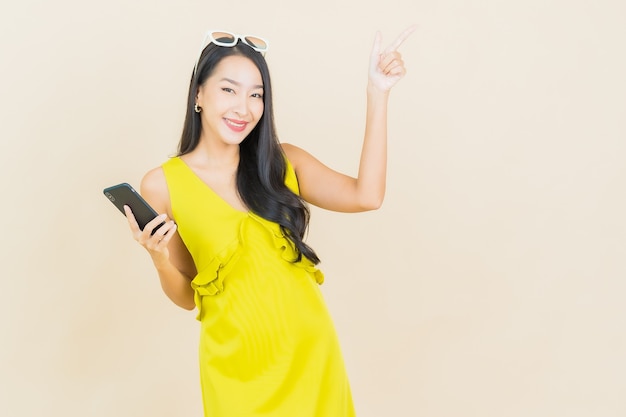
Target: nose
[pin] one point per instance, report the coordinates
(240, 106)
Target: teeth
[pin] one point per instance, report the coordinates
(230, 122)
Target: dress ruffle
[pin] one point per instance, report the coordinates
(287, 249)
(210, 280)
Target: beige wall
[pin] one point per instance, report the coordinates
(491, 283)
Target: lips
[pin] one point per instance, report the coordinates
(236, 125)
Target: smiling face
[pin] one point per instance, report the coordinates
(231, 100)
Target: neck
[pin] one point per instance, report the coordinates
(216, 154)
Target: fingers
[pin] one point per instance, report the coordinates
(160, 238)
(155, 235)
(155, 225)
(389, 62)
(132, 222)
(400, 39)
(376, 47)
(392, 64)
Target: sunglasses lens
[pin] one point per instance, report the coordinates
(225, 38)
(257, 43)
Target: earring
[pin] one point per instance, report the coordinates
(197, 108)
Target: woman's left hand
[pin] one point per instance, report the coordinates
(386, 66)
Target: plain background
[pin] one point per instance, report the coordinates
(491, 283)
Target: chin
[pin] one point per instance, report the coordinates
(235, 139)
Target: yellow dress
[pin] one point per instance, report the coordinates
(268, 346)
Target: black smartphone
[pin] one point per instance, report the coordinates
(124, 194)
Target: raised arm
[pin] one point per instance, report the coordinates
(329, 189)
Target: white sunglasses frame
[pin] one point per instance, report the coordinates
(208, 38)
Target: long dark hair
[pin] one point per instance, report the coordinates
(262, 163)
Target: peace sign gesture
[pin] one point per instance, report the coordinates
(386, 66)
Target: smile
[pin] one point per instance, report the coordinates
(237, 126)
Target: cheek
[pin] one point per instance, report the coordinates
(258, 108)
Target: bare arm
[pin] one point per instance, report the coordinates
(329, 189)
(171, 258)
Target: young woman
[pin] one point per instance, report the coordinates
(234, 205)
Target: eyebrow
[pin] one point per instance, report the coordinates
(259, 86)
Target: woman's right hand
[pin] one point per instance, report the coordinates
(155, 244)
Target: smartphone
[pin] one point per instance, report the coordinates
(124, 194)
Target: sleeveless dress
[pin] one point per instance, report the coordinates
(268, 346)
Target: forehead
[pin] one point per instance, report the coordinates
(238, 68)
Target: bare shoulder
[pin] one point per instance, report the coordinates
(289, 149)
(296, 156)
(154, 181)
(154, 190)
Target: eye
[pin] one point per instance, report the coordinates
(257, 95)
(228, 90)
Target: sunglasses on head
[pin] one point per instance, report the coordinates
(228, 39)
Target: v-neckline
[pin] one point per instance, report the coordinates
(211, 190)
